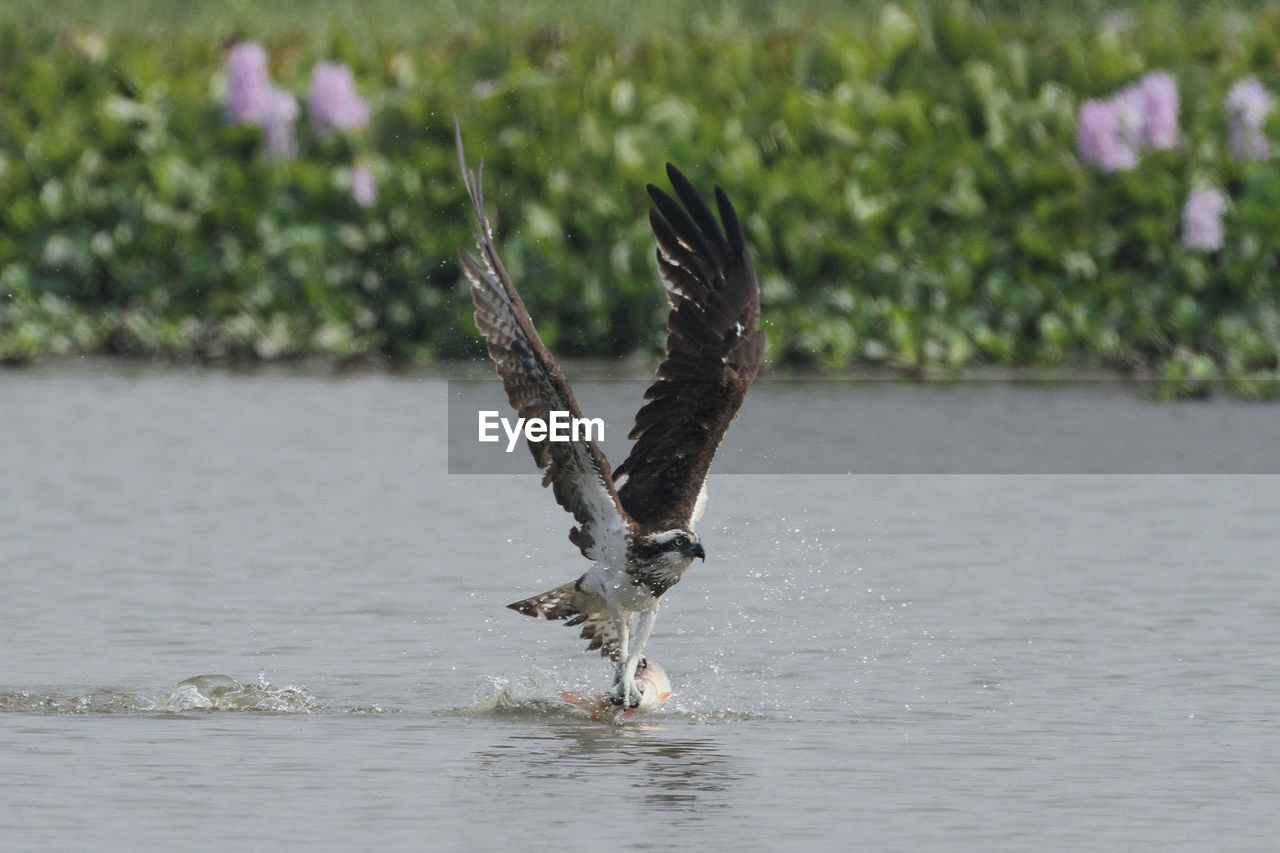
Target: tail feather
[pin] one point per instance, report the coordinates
(569, 603)
(558, 603)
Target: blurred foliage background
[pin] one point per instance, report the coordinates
(907, 174)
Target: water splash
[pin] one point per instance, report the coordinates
(529, 698)
(209, 693)
(94, 702)
(224, 693)
(526, 697)
(533, 697)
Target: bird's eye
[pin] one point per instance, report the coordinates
(681, 541)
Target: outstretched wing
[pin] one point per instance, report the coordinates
(577, 471)
(714, 346)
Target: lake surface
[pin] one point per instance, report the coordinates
(1051, 659)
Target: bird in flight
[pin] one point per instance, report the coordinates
(636, 523)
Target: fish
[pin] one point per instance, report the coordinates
(655, 689)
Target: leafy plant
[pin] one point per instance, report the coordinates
(911, 185)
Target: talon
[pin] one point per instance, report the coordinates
(627, 694)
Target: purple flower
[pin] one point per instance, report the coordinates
(1248, 104)
(332, 102)
(364, 189)
(248, 84)
(1130, 110)
(1111, 132)
(281, 114)
(1159, 110)
(253, 99)
(1202, 220)
(1148, 112)
(1100, 140)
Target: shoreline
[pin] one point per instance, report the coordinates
(589, 369)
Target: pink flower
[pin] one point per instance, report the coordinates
(1100, 140)
(1202, 220)
(364, 189)
(332, 102)
(1159, 110)
(1248, 104)
(248, 84)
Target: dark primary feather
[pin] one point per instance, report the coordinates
(714, 347)
(577, 471)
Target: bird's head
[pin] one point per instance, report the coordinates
(675, 547)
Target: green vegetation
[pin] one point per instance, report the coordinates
(907, 174)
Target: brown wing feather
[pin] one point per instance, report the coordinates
(714, 347)
(577, 471)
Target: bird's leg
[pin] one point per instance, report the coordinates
(621, 626)
(627, 687)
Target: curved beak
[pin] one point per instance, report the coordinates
(696, 551)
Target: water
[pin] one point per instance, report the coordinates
(880, 662)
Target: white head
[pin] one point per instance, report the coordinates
(670, 549)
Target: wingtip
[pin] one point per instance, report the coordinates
(732, 223)
(677, 177)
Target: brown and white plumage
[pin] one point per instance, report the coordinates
(636, 525)
(577, 471)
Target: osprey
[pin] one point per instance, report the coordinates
(636, 523)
